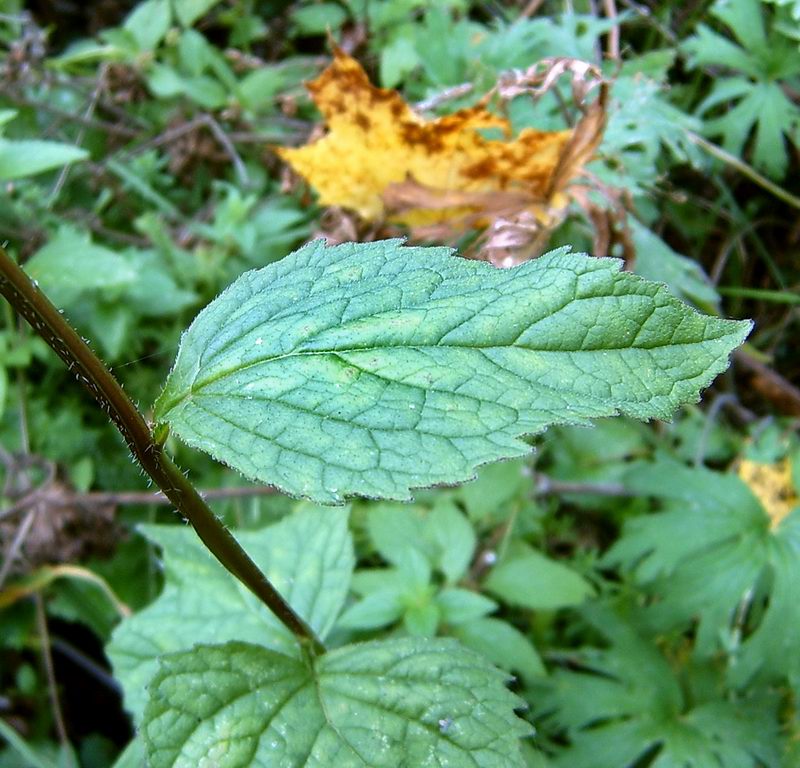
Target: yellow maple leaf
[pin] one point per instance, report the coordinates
(382, 160)
(772, 485)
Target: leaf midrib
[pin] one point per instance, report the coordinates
(196, 385)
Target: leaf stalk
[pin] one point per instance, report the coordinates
(25, 297)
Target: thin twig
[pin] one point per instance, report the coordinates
(647, 15)
(47, 659)
(14, 548)
(93, 122)
(612, 50)
(223, 139)
(167, 137)
(744, 169)
(62, 176)
(56, 497)
(447, 95)
(86, 663)
(711, 417)
(547, 486)
(788, 391)
(530, 9)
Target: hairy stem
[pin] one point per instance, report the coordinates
(48, 322)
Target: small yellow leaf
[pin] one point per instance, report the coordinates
(772, 486)
(378, 151)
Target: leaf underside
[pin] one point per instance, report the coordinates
(407, 702)
(371, 369)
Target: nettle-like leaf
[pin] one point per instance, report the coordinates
(374, 368)
(308, 556)
(761, 59)
(716, 555)
(408, 702)
(623, 702)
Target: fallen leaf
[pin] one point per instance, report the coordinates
(439, 177)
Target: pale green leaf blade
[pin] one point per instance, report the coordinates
(529, 579)
(308, 557)
(27, 157)
(382, 704)
(371, 369)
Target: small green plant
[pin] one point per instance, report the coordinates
(365, 370)
(751, 101)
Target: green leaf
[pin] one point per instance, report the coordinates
(422, 615)
(20, 747)
(626, 703)
(259, 89)
(373, 368)
(206, 91)
(459, 605)
(71, 265)
(655, 260)
(318, 19)
(155, 293)
(498, 489)
(189, 11)
(755, 102)
(503, 645)
(443, 536)
(708, 555)
(529, 579)
(133, 755)
(149, 22)
(378, 609)
(398, 59)
(395, 529)
(453, 538)
(308, 557)
(27, 157)
(382, 704)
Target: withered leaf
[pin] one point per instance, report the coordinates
(381, 159)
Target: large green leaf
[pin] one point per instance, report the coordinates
(308, 556)
(373, 368)
(404, 702)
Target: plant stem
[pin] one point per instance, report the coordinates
(47, 321)
(745, 169)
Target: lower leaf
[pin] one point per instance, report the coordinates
(406, 702)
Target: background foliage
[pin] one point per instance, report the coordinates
(639, 581)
